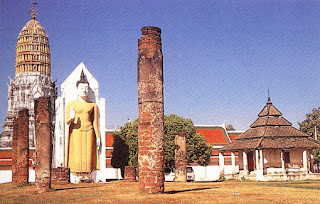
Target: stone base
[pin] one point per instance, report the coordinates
(83, 177)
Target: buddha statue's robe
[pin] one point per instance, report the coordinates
(82, 154)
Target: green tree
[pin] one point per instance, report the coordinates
(230, 127)
(127, 152)
(312, 120)
(120, 153)
(197, 148)
(308, 126)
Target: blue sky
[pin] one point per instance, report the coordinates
(220, 57)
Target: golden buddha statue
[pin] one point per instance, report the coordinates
(84, 137)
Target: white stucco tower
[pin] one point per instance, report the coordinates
(69, 93)
(32, 78)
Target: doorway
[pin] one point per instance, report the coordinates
(286, 158)
(250, 161)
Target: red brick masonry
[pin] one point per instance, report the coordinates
(60, 175)
(14, 151)
(130, 173)
(43, 144)
(20, 169)
(151, 115)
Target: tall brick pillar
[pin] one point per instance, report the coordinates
(14, 150)
(22, 167)
(43, 143)
(180, 157)
(151, 115)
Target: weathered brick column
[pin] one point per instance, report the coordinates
(43, 144)
(14, 150)
(151, 115)
(22, 167)
(180, 157)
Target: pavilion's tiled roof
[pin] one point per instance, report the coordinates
(288, 143)
(269, 110)
(270, 121)
(271, 131)
(245, 144)
(233, 134)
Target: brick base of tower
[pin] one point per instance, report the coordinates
(151, 152)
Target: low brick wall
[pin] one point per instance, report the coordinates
(130, 173)
(60, 175)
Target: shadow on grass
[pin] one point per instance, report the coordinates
(187, 190)
(75, 187)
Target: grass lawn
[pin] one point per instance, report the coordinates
(192, 192)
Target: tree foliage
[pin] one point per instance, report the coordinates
(230, 127)
(197, 148)
(120, 151)
(312, 120)
(125, 149)
(308, 126)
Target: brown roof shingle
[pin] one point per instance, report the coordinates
(272, 121)
(289, 143)
(272, 131)
(271, 110)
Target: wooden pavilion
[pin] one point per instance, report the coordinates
(273, 150)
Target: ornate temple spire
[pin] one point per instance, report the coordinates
(33, 12)
(33, 50)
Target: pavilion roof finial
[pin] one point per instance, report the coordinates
(33, 12)
(269, 100)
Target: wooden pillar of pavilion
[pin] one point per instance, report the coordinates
(245, 162)
(221, 164)
(233, 162)
(305, 161)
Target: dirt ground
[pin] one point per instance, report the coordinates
(191, 192)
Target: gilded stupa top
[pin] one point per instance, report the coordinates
(32, 27)
(33, 50)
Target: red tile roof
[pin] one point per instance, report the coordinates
(215, 134)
